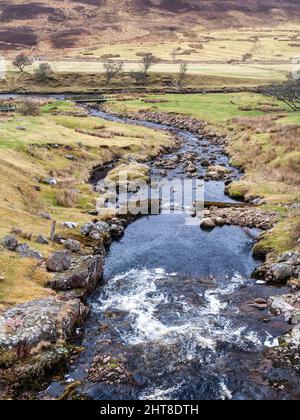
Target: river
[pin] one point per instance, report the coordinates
(172, 318)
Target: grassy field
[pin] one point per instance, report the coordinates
(263, 139)
(215, 108)
(265, 43)
(34, 148)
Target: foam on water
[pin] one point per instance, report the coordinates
(142, 296)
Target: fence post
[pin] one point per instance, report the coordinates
(52, 231)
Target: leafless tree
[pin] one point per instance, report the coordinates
(22, 61)
(182, 73)
(148, 61)
(44, 72)
(288, 92)
(174, 53)
(112, 69)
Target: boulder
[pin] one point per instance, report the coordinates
(87, 228)
(25, 251)
(102, 227)
(287, 305)
(117, 230)
(208, 223)
(219, 221)
(282, 272)
(24, 327)
(72, 245)
(85, 274)
(59, 261)
(10, 242)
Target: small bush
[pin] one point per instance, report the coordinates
(30, 107)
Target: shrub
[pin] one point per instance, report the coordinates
(29, 107)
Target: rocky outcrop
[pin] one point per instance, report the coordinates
(85, 274)
(48, 321)
(280, 270)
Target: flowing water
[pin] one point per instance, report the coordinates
(172, 318)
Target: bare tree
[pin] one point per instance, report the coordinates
(22, 61)
(112, 69)
(182, 73)
(44, 72)
(148, 61)
(174, 53)
(288, 92)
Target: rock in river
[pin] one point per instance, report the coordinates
(208, 223)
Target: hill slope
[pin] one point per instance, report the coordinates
(58, 25)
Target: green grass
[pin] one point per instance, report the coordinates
(25, 157)
(211, 107)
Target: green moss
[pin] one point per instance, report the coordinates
(281, 238)
(238, 190)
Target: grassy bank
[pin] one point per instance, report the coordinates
(89, 77)
(58, 143)
(263, 139)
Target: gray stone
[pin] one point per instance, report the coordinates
(41, 239)
(219, 221)
(85, 274)
(87, 228)
(50, 181)
(102, 227)
(10, 242)
(72, 245)
(24, 327)
(96, 235)
(282, 272)
(25, 251)
(71, 157)
(70, 225)
(291, 257)
(208, 223)
(116, 230)
(59, 261)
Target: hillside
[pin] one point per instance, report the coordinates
(83, 26)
